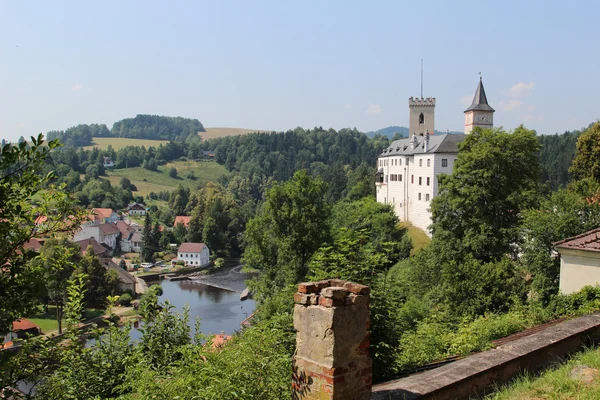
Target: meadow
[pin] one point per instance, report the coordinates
(150, 181)
(212, 133)
(117, 143)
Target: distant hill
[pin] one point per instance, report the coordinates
(390, 131)
(212, 133)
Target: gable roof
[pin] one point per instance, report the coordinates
(480, 102)
(124, 276)
(190, 247)
(33, 244)
(444, 143)
(109, 228)
(99, 250)
(588, 241)
(103, 212)
(182, 219)
(136, 206)
(125, 229)
(23, 324)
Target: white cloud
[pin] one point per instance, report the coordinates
(347, 106)
(466, 101)
(77, 87)
(521, 89)
(373, 109)
(510, 105)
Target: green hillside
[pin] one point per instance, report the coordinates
(149, 181)
(117, 143)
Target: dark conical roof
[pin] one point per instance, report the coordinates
(480, 100)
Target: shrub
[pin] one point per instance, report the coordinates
(125, 299)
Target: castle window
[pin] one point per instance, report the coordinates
(427, 181)
(427, 197)
(421, 119)
(400, 177)
(400, 161)
(412, 179)
(444, 162)
(419, 196)
(420, 163)
(420, 180)
(428, 160)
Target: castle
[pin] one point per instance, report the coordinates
(407, 170)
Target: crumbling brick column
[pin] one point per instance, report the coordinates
(332, 361)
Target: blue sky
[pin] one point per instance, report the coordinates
(281, 64)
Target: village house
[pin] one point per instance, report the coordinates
(104, 234)
(99, 250)
(407, 170)
(131, 237)
(127, 282)
(181, 219)
(193, 254)
(108, 162)
(21, 329)
(579, 261)
(136, 209)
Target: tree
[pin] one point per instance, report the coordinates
(147, 251)
(587, 158)
(173, 173)
(19, 183)
(480, 205)
(97, 280)
(291, 226)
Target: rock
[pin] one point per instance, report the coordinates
(583, 373)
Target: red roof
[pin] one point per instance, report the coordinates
(23, 325)
(220, 339)
(33, 244)
(588, 241)
(191, 247)
(180, 219)
(109, 228)
(41, 219)
(98, 248)
(103, 212)
(125, 229)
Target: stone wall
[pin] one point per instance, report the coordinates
(332, 360)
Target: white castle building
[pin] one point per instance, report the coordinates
(407, 170)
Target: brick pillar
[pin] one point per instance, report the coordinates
(332, 361)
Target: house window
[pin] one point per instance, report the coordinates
(428, 160)
(427, 181)
(420, 180)
(421, 119)
(444, 162)
(400, 177)
(420, 163)
(412, 179)
(400, 162)
(427, 197)
(419, 196)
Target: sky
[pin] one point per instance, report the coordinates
(276, 65)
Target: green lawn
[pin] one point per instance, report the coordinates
(48, 323)
(571, 380)
(419, 238)
(117, 143)
(149, 181)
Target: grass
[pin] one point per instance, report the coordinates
(48, 323)
(212, 133)
(556, 383)
(118, 143)
(247, 270)
(149, 181)
(418, 236)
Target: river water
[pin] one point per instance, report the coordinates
(214, 298)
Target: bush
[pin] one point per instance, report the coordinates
(125, 299)
(173, 172)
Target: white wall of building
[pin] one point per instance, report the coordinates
(578, 269)
(193, 259)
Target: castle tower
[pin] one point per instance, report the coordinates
(422, 113)
(479, 112)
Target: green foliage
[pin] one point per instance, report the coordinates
(173, 172)
(157, 127)
(125, 299)
(149, 247)
(587, 159)
(555, 157)
(494, 179)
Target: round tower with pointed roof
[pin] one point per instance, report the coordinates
(479, 112)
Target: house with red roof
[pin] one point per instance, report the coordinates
(181, 219)
(136, 209)
(579, 261)
(99, 250)
(105, 234)
(193, 254)
(21, 328)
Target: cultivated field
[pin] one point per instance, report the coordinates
(212, 133)
(117, 143)
(149, 181)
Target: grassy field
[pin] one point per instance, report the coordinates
(419, 238)
(47, 321)
(149, 181)
(117, 143)
(578, 379)
(212, 133)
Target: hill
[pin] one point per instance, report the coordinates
(118, 143)
(149, 181)
(213, 133)
(390, 131)
(156, 127)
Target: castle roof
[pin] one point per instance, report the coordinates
(444, 143)
(480, 102)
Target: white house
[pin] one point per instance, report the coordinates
(136, 209)
(579, 261)
(407, 170)
(193, 254)
(108, 162)
(104, 234)
(131, 237)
